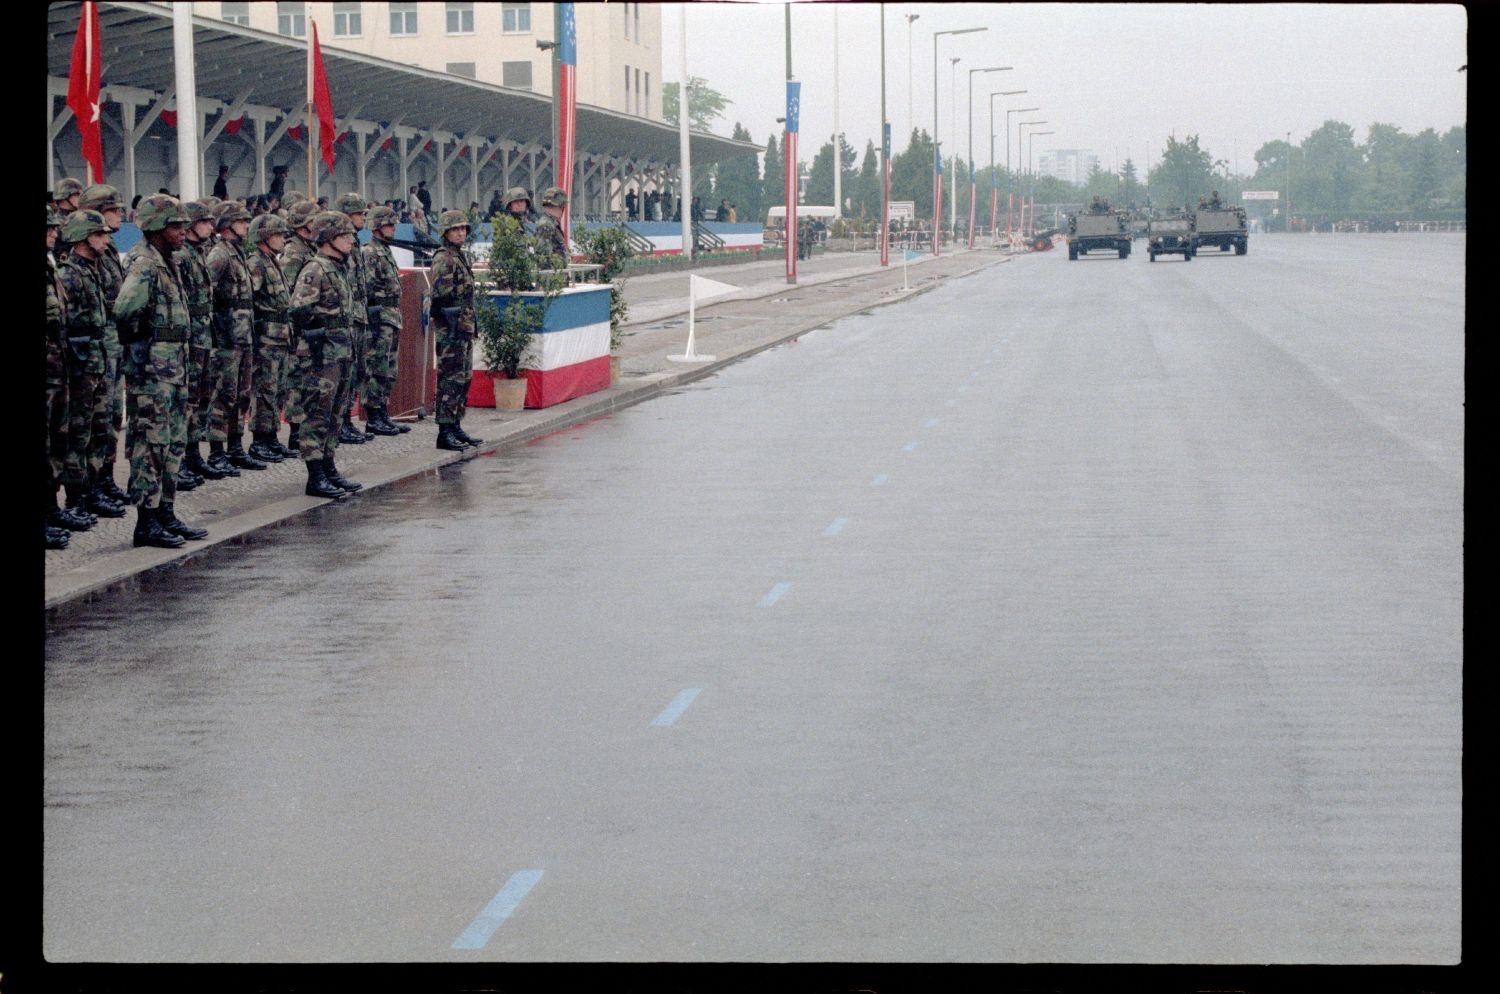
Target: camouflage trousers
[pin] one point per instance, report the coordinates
(359, 339)
(455, 368)
(89, 414)
(200, 381)
(323, 396)
(271, 361)
(157, 437)
(380, 358)
(232, 383)
(57, 419)
(293, 373)
(108, 441)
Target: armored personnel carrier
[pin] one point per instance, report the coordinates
(1170, 234)
(1097, 228)
(1216, 223)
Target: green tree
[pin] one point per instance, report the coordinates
(867, 199)
(911, 173)
(773, 177)
(705, 104)
(1333, 168)
(1184, 175)
(1130, 185)
(1385, 180)
(738, 181)
(820, 174)
(1425, 183)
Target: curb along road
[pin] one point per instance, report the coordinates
(104, 556)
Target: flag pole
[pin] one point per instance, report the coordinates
(309, 120)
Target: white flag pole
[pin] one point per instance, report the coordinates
(713, 289)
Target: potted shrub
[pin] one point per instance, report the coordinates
(609, 248)
(511, 310)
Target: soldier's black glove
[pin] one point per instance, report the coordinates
(139, 351)
(223, 321)
(81, 347)
(451, 317)
(314, 337)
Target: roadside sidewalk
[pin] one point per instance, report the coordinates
(764, 312)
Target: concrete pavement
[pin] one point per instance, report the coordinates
(763, 313)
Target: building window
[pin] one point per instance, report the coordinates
(629, 107)
(461, 69)
(235, 13)
(646, 98)
(515, 18)
(637, 21)
(625, 10)
(347, 22)
(516, 75)
(403, 18)
(640, 106)
(460, 18)
(291, 19)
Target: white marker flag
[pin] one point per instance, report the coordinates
(699, 289)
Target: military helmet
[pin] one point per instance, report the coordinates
(82, 223)
(100, 197)
(381, 215)
(517, 193)
(451, 219)
(292, 197)
(328, 225)
(351, 203)
(159, 210)
(301, 212)
(67, 187)
(554, 196)
(211, 202)
(196, 210)
(265, 226)
(228, 212)
(54, 219)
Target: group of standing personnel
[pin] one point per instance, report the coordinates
(216, 323)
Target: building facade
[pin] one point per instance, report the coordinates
(619, 44)
(1071, 165)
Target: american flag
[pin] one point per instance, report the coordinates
(567, 107)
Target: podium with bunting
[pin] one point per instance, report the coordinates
(568, 358)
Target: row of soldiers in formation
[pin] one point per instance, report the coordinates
(213, 314)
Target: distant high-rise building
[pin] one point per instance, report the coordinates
(1071, 165)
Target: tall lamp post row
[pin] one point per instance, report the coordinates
(1020, 138)
(994, 179)
(973, 182)
(1010, 179)
(937, 152)
(1031, 172)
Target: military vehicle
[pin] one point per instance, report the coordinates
(1097, 228)
(1170, 234)
(1218, 224)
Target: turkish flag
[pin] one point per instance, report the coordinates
(319, 97)
(83, 89)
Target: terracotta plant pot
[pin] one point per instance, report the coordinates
(614, 370)
(510, 395)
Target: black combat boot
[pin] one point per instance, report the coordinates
(187, 479)
(350, 435)
(109, 488)
(100, 503)
(338, 479)
(149, 530)
(237, 457)
(291, 445)
(378, 423)
(447, 440)
(195, 462)
(57, 538)
(265, 449)
(318, 485)
(288, 449)
(78, 505)
(219, 462)
(385, 414)
(74, 519)
(167, 515)
(463, 436)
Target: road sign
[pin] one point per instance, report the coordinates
(1260, 195)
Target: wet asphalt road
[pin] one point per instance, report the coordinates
(1073, 612)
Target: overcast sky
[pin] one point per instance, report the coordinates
(1115, 79)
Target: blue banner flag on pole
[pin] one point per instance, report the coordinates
(887, 142)
(937, 156)
(793, 104)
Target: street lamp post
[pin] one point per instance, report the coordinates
(1021, 220)
(937, 152)
(911, 117)
(973, 182)
(885, 155)
(1031, 171)
(953, 61)
(995, 180)
(1010, 179)
(1289, 182)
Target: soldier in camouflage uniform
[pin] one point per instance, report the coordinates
(155, 327)
(452, 307)
(319, 312)
(192, 270)
(65, 197)
(518, 205)
(354, 207)
(87, 322)
(233, 315)
(57, 527)
(105, 199)
(299, 249)
(385, 323)
(273, 333)
(549, 229)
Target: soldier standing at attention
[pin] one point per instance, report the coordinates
(273, 334)
(106, 200)
(385, 323)
(155, 326)
(234, 310)
(86, 322)
(65, 197)
(58, 522)
(353, 206)
(192, 271)
(549, 227)
(299, 249)
(319, 313)
(453, 305)
(518, 205)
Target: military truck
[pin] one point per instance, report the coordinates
(1097, 228)
(1218, 224)
(1170, 234)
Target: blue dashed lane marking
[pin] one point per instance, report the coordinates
(499, 909)
(909, 447)
(674, 710)
(933, 422)
(774, 594)
(836, 527)
(880, 480)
